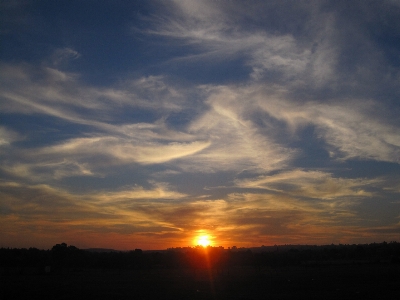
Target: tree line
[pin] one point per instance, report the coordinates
(62, 258)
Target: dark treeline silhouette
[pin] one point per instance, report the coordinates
(64, 258)
(370, 271)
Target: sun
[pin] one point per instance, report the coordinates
(203, 240)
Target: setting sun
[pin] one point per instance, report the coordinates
(203, 240)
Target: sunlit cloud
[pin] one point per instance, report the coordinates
(236, 141)
(84, 156)
(338, 123)
(125, 150)
(160, 191)
(46, 207)
(314, 184)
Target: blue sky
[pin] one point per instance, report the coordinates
(144, 124)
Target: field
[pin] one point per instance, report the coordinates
(340, 281)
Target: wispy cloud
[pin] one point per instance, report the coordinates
(89, 156)
(30, 89)
(7, 136)
(64, 55)
(53, 211)
(338, 123)
(211, 28)
(313, 184)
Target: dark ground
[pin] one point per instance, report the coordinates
(346, 281)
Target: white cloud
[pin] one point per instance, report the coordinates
(313, 184)
(349, 126)
(48, 168)
(214, 29)
(7, 137)
(124, 151)
(64, 55)
(211, 27)
(90, 157)
(158, 191)
(28, 89)
(236, 143)
(224, 137)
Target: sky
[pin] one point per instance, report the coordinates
(147, 124)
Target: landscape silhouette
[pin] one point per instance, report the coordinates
(368, 271)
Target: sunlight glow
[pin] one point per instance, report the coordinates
(203, 240)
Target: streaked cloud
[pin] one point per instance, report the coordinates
(312, 184)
